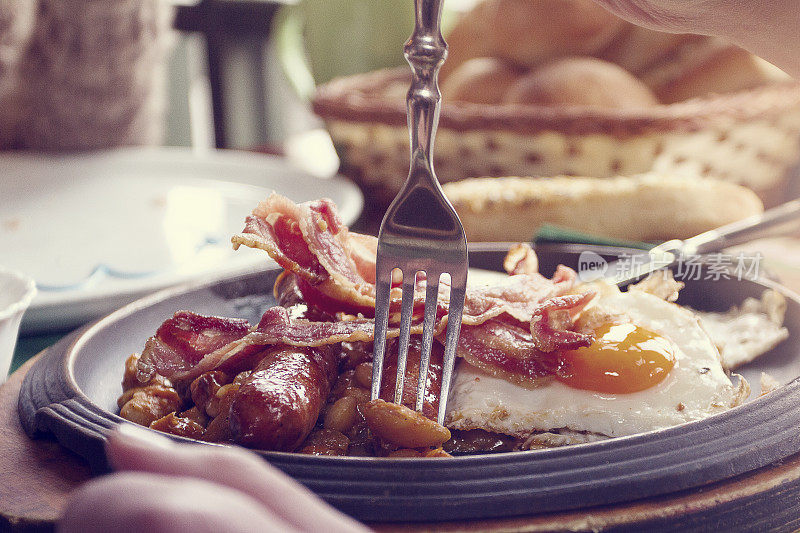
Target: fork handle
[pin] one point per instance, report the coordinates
(425, 51)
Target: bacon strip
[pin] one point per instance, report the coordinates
(181, 342)
(505, 350)
(276, 328)
(521, 259)
(347, 260)
(507, 329)
(552, 320)
(316, 231)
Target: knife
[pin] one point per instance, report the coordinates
(776, 221)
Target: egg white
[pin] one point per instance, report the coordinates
(695, 388)
(745, 332)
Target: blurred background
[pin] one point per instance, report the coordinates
(557, 116)
(241, 72)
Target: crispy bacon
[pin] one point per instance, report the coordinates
(517, 296)
(521, 259)
(182, 341)
(348, 262)
(276, 328)
(552, 321)
(506, 350)
(338, 264)
(508, 327)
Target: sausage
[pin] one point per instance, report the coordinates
(277, 406)
(434, 382)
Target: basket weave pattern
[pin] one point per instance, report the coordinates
(748, 138)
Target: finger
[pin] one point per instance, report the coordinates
(134, 448)
(135, 501)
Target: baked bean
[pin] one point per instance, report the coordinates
(361, 395)
(355, 353)
(342, 415)
(196, 415)
(436, 452)
(158, 390)
(204, 389)
(219, 429)
(399, 425)
(344, 381)
(148, 404)
(178, 425)
(216, 404)
(130, 380)
(363, 375)
(325, 442)
(129, 377)
(361, 441)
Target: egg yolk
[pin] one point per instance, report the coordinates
(624, 358)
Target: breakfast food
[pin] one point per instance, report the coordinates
(532, 33)
(638, 49)
(583, 81)
(744, 332)
(689, 105)
(527, 33)
(481, 80)
(665, 371)
(643, 208)
(542, 362)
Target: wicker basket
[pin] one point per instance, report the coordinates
(750, 137)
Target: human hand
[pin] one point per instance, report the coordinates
(161, 486)
(768, 28)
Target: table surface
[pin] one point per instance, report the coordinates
(36, 476)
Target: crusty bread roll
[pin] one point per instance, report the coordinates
(642, 208)
(528, 32)
(481, 80)
(636, 49)
(714, 67)
(581, 81)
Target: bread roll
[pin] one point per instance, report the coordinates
(482, 80)
(720, 68)
(636, 48)
(468, 39)
(642, 208)
(581, 81)
(529, 32)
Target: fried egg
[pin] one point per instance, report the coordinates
(651, 366)
(747, 331)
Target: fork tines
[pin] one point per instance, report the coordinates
(384, 272)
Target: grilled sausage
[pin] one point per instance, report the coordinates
(434, 382)
(278, 404)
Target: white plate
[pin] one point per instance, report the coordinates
(98, 230)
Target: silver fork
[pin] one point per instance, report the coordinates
(421, 230)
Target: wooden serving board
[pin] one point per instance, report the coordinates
(35, 475)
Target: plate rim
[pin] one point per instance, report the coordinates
(38, 308)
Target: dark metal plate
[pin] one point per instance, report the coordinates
(72, 391)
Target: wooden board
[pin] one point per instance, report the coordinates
(35, 476)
